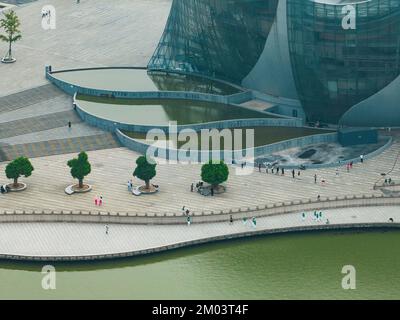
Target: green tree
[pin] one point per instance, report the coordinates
(17, 168)
(144, 170)
(214, 173)
(80, 167)
(10, 23)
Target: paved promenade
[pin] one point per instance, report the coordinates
(89, 34)
(86, 241)
(112, 169)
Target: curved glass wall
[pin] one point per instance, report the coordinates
(335, 68)
(217, 38)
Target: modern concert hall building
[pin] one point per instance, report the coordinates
(332, 61)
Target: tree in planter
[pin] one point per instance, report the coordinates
(144, 170)
(10, 23)
(214, 173)
(17, 168)
(80, 167)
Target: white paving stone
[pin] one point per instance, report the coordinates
(77, 239)
(93, 33)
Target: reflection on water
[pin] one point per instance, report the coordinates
(298, 266)
(161, 112)
(139, 80)
(262, 136)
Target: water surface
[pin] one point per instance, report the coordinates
(295, 266)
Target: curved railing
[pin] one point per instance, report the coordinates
(305, 205)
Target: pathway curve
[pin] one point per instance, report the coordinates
(79, 241)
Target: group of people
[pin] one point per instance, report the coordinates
(98, 201)
(276, 170)
(130, 185)
(388, 181)
(198, 185)
(201, 189)
(4, 189)
(317, 216)
(251, 222)
(349, 166)
(46, 14)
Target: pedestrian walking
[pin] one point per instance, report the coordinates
(259, 167)
(129, 186)
(303, 216)
(188, 220)
(107, 229)
(101, 201)
(96, 200)
(293, 173)
(230, 219)
(283, 171)
(254, 222)
(362, 158)
(351, 165)
(337, 172)
(319, 198)
(69, 124)
(212, 191)
(191, 187)
(298, 173)
(315, 178)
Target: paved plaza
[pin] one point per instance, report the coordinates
(111, 169)
(34, 118)
(88, 34)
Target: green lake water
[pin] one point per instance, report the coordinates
(262, 136)
(161, 112)
(295, 266)
(139, 80)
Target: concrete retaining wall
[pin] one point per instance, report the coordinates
(197, 156)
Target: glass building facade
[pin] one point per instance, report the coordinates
(216, 38)
(335, 68)
(293, 49)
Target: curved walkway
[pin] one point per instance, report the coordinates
(89, 241)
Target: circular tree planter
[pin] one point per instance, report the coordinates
(151, 190)
(12, 60)
(74, 188)
(206, 190)
(19, 187)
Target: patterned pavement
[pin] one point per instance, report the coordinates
(88, 239)
(34, 123)
(59, 146)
